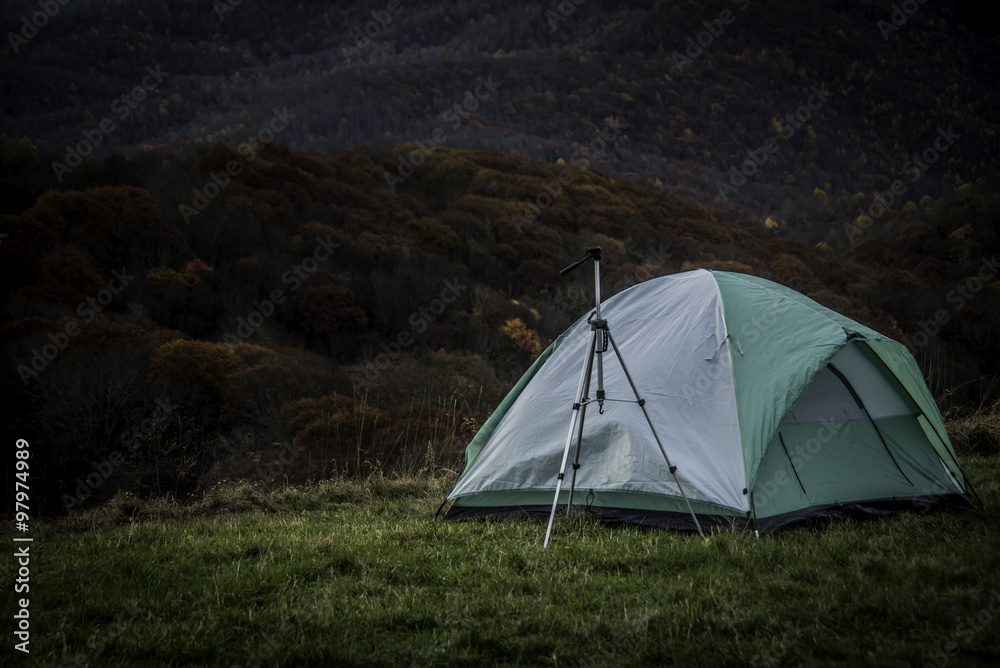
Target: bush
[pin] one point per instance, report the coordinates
(435, 233)
(253, 397)
(194, 272)
(520, 338)
(164, 281)
(977, 432)
(340, 435)
(791, 271)
(201, 362)
(330, 309)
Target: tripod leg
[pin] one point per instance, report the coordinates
(642, 405)
(579, 441)
(577, 406)
(599, 353)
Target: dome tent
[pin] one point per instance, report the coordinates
(773, 408)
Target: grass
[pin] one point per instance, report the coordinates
(360, 573)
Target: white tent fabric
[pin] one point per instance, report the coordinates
(690, 398)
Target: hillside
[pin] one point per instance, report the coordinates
(699, 86)
(183, 320)
(267, 268)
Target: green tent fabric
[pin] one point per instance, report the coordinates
(773, 408)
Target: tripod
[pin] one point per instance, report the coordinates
(599, 333)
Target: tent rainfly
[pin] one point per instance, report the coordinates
(773, 408)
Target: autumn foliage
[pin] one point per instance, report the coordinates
(316, 316)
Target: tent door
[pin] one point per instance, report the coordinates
(857, 400)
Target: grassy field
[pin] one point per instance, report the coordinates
(359, 573)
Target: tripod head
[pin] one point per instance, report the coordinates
(593, 253)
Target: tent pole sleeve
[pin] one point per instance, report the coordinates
(577, 405)
(790, 462)
(649, 421)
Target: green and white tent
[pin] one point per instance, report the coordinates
(773, 408)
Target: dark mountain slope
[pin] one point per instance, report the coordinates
(559, 78)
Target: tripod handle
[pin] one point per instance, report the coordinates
(593, 253)
(573, 266)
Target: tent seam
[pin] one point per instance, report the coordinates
(775, 292)
(736, 396)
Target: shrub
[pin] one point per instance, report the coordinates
(521, 338)
(194, 271)
(164, 281)
(435, 233)
(254, 396)
(341, 434)
(330, 309)
(537, 274)
(789, 269)
(207, 364)
(71, 268)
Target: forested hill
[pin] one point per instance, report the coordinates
(186, 319)
(233, 232)
(698, 85)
